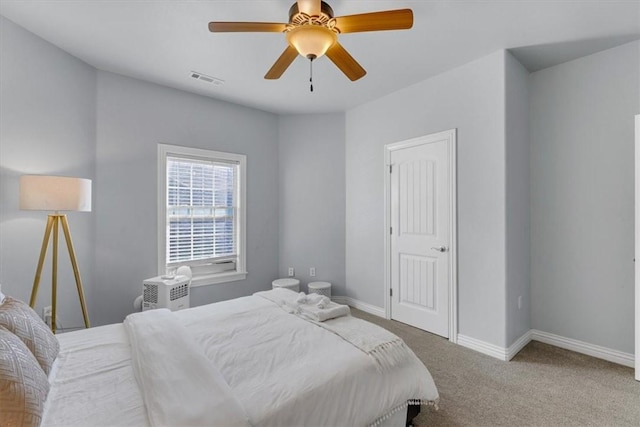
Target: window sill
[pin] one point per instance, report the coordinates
(213, 279)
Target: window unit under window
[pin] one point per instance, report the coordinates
(201, 215)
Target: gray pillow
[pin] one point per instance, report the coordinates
(21, 320)
(23, 384)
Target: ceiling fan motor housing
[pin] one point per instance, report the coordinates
(325, 10)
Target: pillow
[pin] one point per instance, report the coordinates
(20, 319)
(23, 384)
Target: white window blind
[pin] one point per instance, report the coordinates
(201, 210)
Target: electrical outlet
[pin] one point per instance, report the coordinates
(312, 272)
(519, 302)
(46, 315)
(291, 272)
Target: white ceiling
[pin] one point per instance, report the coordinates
(163, 41)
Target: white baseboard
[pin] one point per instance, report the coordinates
(600, 352)
(483, 347)
(518, 345)
(493, 350)
(352, 302)
(506, 354)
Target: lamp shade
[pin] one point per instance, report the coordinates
(55, 193)
(311, 41)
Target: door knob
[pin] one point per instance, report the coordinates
(440, 249)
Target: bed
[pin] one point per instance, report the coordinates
(252, 361)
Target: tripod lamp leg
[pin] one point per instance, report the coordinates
(43, 254)
(76, 271)
(54, 273)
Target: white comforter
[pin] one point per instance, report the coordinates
(160, 344)
(283, 371)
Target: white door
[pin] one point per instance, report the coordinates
(420, 243)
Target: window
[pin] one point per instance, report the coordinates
(201, 222)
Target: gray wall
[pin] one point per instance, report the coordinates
(47, 126)
(133, 117)
(312, 197)
(517, 199)
(471, 99)
(53, 120)
(582, 197)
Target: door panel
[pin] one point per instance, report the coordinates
(416, 178)
(417, 281)
(420, 204)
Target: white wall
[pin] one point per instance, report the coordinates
(312, 197)
(47, 126)
(471, 99)
(133, 117)
(582, 195)
(517, 199)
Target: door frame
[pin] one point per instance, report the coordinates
(637, 246)
(451, 136)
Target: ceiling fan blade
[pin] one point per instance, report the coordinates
(233, 27)
(281, 63)
(345, 62)
(400, 19)
(310, 7)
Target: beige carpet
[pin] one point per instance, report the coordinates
(542, 386)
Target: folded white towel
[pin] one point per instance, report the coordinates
(310, 310)
(316, 298)
(324, 302)
(330, 311)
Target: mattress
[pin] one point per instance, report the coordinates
(284, 371)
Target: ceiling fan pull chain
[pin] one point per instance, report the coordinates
(311, 74)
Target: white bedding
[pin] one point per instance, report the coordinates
(92, 381)
(284, 371)
(160, 343)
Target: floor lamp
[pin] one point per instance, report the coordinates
(56, 193)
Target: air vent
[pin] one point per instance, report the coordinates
(208, 79)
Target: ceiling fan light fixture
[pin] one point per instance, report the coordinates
(312, 31)
(311, 41)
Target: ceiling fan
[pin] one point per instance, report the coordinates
(312, 31)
